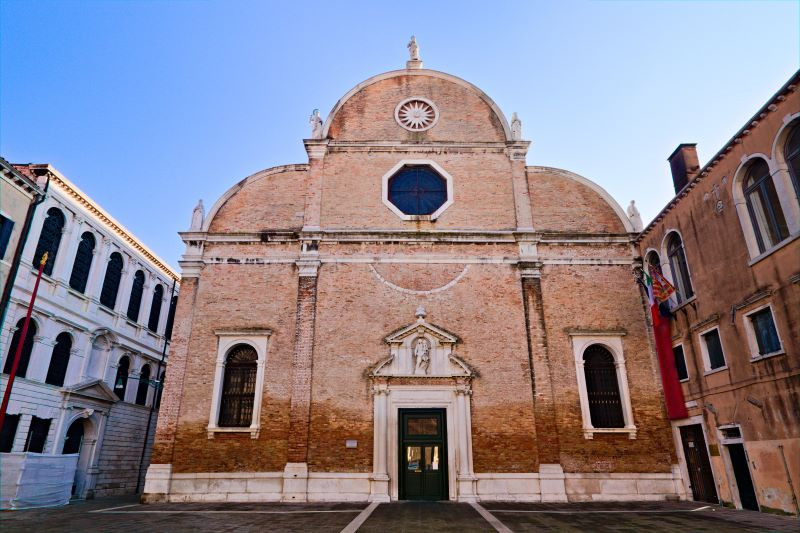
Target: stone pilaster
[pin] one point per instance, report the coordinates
(517, 150)
(295, 479)
(542, 380)
(316, 153)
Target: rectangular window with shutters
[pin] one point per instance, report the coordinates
(37, 435)
(711, 346)
(8, 433)
(762, 333)
(6, 225)
(680, 362)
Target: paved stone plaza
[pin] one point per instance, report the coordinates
(127, 515)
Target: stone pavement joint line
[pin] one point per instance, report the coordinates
(634, 511)
(353, 526)
(489, 517)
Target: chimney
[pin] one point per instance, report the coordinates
(684, 165)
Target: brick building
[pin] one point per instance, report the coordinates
(728, 241)
(412, 314)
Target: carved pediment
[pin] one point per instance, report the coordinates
(422, 349)
(95, 389)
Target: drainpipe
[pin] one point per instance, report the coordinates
(23, 238)
(160, 385)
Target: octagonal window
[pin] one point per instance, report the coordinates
(417, 190)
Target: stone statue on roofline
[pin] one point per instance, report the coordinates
(413, 49)
(198, 215)
(316, 124)
(635, 217)
(516, 127)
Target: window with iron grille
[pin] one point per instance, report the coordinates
(121, 380)
(713, 346)
(680, 362)
(59, 360)
(135, 303)
(37, 435)
(679, 268)
(6, 225)
(83, 262)
(108, 294)
(8, 433)
(49, 239)
(238, 387)
(27, 348)
(791, 153)
(602, 388)
(155, 308)
(765, 332)
(764, 206)
(144, 385)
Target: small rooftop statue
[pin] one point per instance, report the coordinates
(316, 124)
(516, 127)
(635, 217)
(413, 53)
(198, 214)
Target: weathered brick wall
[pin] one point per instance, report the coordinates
(604, 298)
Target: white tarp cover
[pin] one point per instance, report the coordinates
(36, 479)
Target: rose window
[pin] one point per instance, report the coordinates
(416, 114)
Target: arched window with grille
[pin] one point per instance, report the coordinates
(27, 348)
(602, 388)
(121, 380)
(763, 205)
(59, 360)
(791, 153)
(49, 239)
(108, 294)
(238, 387)
(135, 303)
(83, 262)
(155, 308)
(144, 385)
(679, 268)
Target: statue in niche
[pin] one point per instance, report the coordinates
(198, 214)
(316, 124)
(516, 127)
(413, 49)
(635, 217)
(422, 357)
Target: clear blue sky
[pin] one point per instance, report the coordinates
(150, 105)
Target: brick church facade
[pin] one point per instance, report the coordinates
(412, 314)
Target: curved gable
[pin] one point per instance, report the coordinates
(271, 199)
(466, 114)
(589, 208)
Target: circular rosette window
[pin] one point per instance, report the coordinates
(416, 114)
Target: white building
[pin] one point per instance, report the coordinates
(95, 354)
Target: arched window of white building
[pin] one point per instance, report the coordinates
(59, 360)
(144, 385)
(121, 380)
(49, 239)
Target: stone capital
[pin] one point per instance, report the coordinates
(530, 269)
(308, 267)
(316, 148)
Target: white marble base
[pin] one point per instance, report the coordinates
(295, 483)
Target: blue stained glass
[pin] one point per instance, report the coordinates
(417, 190)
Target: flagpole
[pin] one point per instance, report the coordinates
(21, 343)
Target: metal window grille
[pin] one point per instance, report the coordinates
(59, 360)
(49, 239)
(27, 348)
(602, 388)
(83, 263)
(417, 190)
(108, 294)
(238, 388)
(135, 302)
